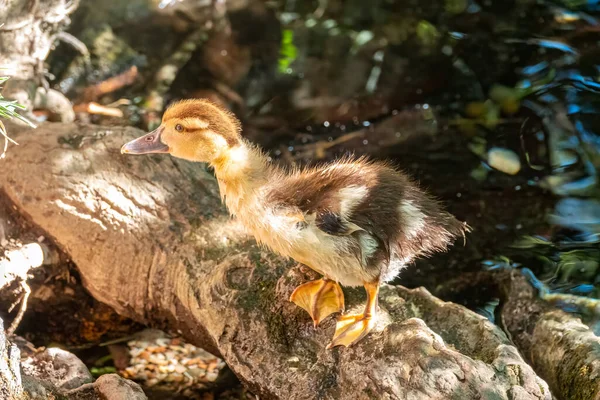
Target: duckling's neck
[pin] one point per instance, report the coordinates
(241, 172)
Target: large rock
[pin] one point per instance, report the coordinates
(151, 239)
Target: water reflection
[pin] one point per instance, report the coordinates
(563, 266)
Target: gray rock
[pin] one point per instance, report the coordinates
(58, 367)
(37, 389)
(114, 387)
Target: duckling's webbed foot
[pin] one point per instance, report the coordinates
(350, 329)
(353, 327)
(319, 298)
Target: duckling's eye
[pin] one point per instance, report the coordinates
(179, 128)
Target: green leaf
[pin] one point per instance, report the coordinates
(96, 372)
(427, 33)
(7, 111)
(288, 51)
(8, 107)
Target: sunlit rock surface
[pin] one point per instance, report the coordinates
(151, 239)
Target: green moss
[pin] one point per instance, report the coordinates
(73, 141)
(262, 296)
(77, 141)
(577, 387)
(216, 252)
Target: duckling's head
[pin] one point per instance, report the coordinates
(195, 130)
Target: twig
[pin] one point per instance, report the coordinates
(229, 93)
(15, 324)
(95, 108)
(17, 25)
(118, 103)
(72, 7)
(59, 15)
(21, 24)
(111, 84)
(74, 42)
(320, 11)
(6, 140)
(85, 386)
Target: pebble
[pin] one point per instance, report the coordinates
(504, 160)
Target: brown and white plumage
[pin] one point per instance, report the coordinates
(355, 221)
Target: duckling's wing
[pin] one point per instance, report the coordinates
(367, 245)
(329, 197)
(332, 200)
(334, 223)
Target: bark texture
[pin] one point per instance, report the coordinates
(10, 373)
(151, 239)
(28, 30)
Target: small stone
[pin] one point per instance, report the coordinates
(113, 387)
(196, 372)
(151, 382)
(59, 367)
(504, 160)
(156, 359)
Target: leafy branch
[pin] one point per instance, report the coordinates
(8, 110)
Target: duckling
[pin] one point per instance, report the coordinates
(354, 221)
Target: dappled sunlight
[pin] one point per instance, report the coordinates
(17, 263)
(480, 117)
(118, 205)
(73, 210)
(111, 195)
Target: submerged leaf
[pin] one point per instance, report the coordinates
(427, 33)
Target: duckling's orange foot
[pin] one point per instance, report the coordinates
(319, 298)
(350, 329)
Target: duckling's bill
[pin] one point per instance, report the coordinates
(149, 143)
